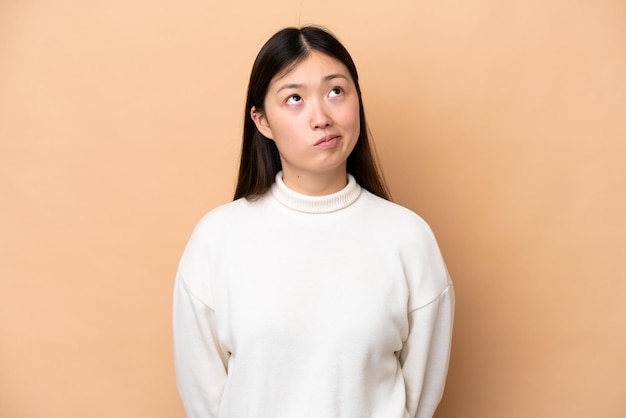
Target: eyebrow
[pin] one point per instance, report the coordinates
(298, 85)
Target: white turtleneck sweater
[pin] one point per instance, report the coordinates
(291, 306)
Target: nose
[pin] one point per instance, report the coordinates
(320, 118)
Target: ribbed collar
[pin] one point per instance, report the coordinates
(315, 204)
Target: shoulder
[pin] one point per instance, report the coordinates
(223, 224)
(413, 240)
(208, 236)
(398, 219)
(226, 211)
(225, 216)
(213, 226)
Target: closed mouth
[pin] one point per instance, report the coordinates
(326, 139)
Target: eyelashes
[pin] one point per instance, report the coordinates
(296, 98)
(335, 91)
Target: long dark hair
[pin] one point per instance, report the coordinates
(260, 161)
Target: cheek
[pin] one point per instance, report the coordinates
(351, 120)
(279, 125)
(287, 135)
(286, 131)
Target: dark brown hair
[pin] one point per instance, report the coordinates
(260, 161)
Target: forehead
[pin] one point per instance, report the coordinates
(315, 64)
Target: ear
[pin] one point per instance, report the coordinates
(261, 122)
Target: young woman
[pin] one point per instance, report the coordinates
(311, 294)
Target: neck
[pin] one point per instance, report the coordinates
(315, 184)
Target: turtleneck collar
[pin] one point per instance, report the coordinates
(315, 204)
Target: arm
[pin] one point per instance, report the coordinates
(425, 355)
(201, 364)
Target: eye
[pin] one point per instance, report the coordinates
(335, 91)
(293, 99)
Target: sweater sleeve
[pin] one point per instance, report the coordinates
(425, 355)
(200, 362)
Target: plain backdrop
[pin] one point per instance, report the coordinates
(501, 122)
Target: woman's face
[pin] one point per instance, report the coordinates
(312, 114)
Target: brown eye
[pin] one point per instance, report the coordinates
(293, 99)
(335, 91)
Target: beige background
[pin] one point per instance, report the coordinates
(500, 122)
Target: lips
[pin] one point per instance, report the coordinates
(327, 140)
